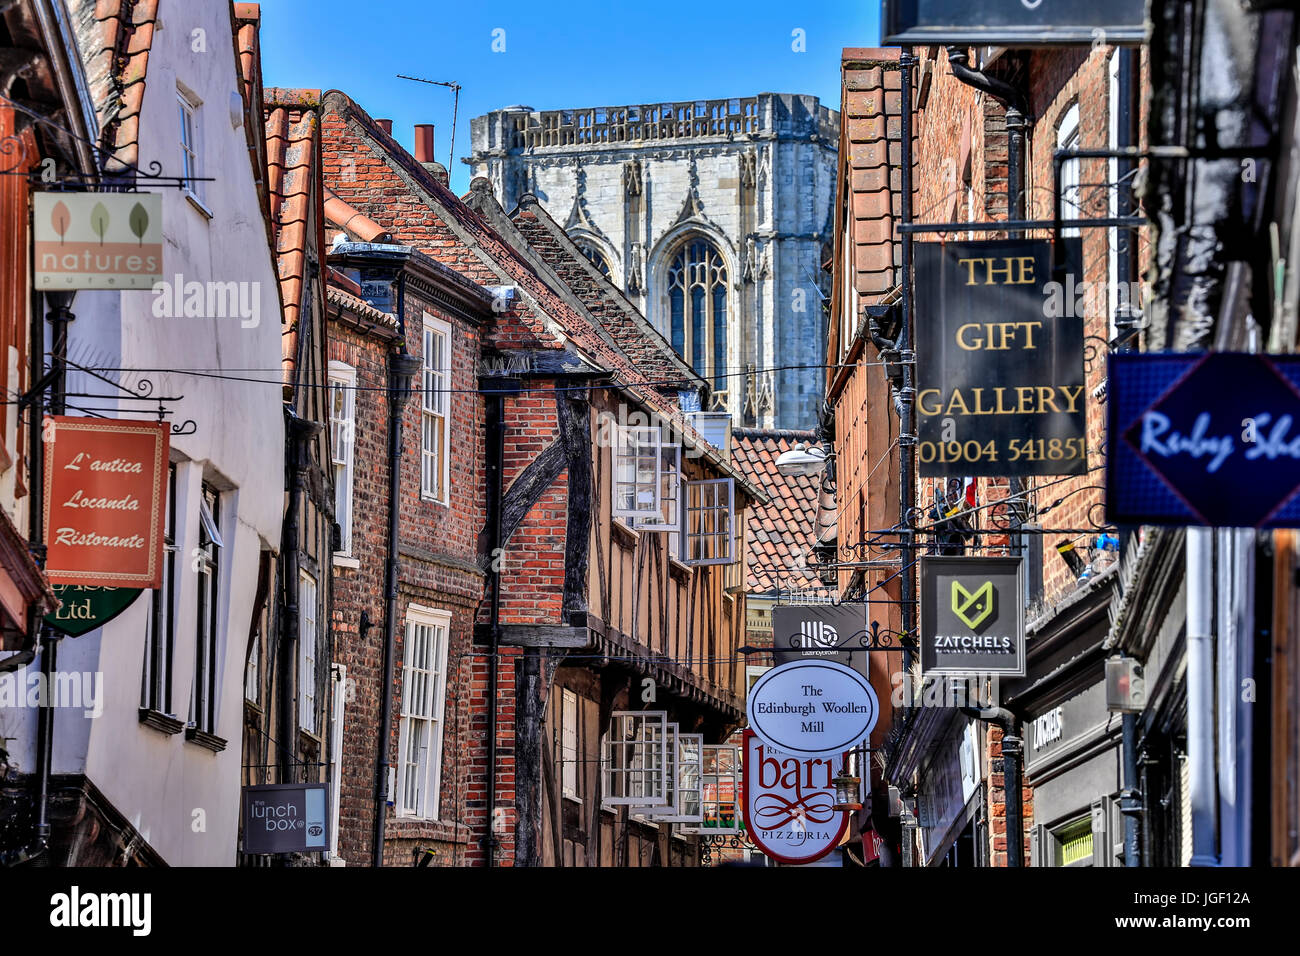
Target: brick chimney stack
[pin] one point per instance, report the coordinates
(386, 125)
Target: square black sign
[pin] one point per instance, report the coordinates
(286, 818)
(972, 616)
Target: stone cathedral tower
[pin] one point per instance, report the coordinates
(714, 216)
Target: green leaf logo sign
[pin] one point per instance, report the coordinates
(99, 221)
(973, 607)
(139, 222)
(59, 219)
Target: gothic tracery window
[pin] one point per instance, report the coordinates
(697, 309)
(595, 255)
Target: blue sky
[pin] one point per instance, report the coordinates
(558, 53)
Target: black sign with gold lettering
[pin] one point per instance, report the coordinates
(1016, 23)
(999, 360)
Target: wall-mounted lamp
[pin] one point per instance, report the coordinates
(802, 461)
(847, 790)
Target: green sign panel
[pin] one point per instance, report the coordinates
(86, 608)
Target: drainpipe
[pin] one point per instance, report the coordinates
(1013, 750)
(1017, 108)
(1204, 797)
(299, 432)
(401, 370)
(907, 392)
(496, 451)
(60, 314)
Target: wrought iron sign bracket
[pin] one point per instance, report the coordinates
(128, 182)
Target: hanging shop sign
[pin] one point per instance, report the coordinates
(1015, 23)
(789, 803)
(999, 360)
(812, 708)
(972, 616)
(1208, 439)
(83, 608)
(285, 818)
(105, 493)
(832, 632)
(97, 240)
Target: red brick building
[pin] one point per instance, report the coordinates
(545, 369)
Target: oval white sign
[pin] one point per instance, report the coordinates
(812, 708)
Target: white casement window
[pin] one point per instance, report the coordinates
(569, 750)
(638, 469)
(1067, 137)
(207, 564)
(719, 790)
(338, 704)
(342, 397)
(435, 385)
(690, 780)
(307, 640)
(634, 764)
(156, 683)
(685, 767)
(423, 695)
(656, 809)
(668, 490)
(189, 109)
(708, 522)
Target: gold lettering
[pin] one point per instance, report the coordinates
(1025, 395)
(1026, 270)
(920, 401)
(957, 401)
(970, 269)
(1077, 390)
(994, 270)
(1046, 397)
(979, 344)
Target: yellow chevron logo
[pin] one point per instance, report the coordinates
(973, 607)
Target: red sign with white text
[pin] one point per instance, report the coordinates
(788, 803)
(105, 491)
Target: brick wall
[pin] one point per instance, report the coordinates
(361, 589)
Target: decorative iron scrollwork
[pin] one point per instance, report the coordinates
(1095, 348)
(713, 845)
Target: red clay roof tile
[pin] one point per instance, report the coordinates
(781, 532)
(115, 37)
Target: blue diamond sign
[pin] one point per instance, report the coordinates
(1208, 439)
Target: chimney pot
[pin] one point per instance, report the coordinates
(424, 142)
(386, 125)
